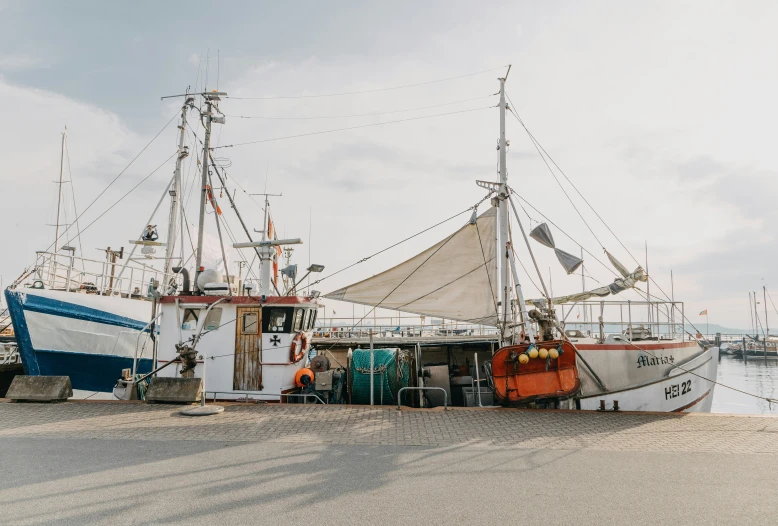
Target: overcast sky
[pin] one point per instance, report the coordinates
(661, 113)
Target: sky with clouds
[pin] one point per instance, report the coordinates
(661, 113)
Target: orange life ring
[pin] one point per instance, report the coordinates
(297, 348)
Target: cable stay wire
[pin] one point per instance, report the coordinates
(75, 208)
(392, 246)
(373, 114)
(131, 190)
(546, 154)
(376, 90)
(609, 268)
(297, 136)
(114, 180)
(551, 171)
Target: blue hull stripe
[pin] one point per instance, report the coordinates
(89, 372)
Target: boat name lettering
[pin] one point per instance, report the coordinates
(646, 361)
(677, 390)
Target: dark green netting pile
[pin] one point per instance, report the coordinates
(392, 371)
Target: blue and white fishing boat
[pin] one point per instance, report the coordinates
(91, 319)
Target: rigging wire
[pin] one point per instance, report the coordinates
(358, 114)
(131, 190)
(116, 179)
(551, 171)
(540, 147)
(771, 300)
(442, 244)
(75, 209)
(350, 128)
(376, 90)
(565, 233)
(388, 248)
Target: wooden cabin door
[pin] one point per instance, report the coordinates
(248, 350)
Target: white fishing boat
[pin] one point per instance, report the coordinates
(470, 276)
(242, 343)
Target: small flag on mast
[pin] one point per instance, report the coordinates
(704, 313)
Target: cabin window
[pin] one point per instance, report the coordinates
(307, 320)
(277, 319)
(297, 326)
(213, 320)
(250, 325)
(314, 314)
(191, 317)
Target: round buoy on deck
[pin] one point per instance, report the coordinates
(553, 353)
(203, 410)
(543, 353)
(523, 358)
(533, 353)
(304, 377)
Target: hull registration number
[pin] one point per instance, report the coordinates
(677, 390)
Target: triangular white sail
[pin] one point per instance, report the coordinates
(455, 279)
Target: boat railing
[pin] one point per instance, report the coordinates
(625, 319)
(66, 271)
(400, 327)
(9, 354)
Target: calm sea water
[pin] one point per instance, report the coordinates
(756, 376)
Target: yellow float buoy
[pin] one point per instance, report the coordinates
(543, 353)
(533, 353)
(553, 353)
(523, 358)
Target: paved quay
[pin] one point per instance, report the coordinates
(122, 463)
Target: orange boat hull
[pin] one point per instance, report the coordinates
(517, 383)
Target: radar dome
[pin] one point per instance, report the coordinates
(209, 276)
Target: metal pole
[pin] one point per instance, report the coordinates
(745, 354)
(502, 247)
(629, 313)
(175, 195)
(756, 320)
(59, 204)
(751, 314)
(372, 365)
(672, 306)
(203, 189)
(477, 379)
(70, 270)
(766, 325)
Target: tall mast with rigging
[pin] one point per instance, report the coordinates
(503, 250)
(175, 192)
(209, 97)
(53, 265)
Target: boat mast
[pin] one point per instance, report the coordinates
(175, 193)
(59, 193)
(208, 119)
(503, 246)
(53, 266)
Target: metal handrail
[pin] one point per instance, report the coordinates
(305, 396)
(445, 394)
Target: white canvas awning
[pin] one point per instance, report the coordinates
(455, 279)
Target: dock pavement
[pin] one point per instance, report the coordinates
(132, 463)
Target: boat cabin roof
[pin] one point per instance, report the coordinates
(242, 300)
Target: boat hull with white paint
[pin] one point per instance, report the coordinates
(89, 337)
(674, 377)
